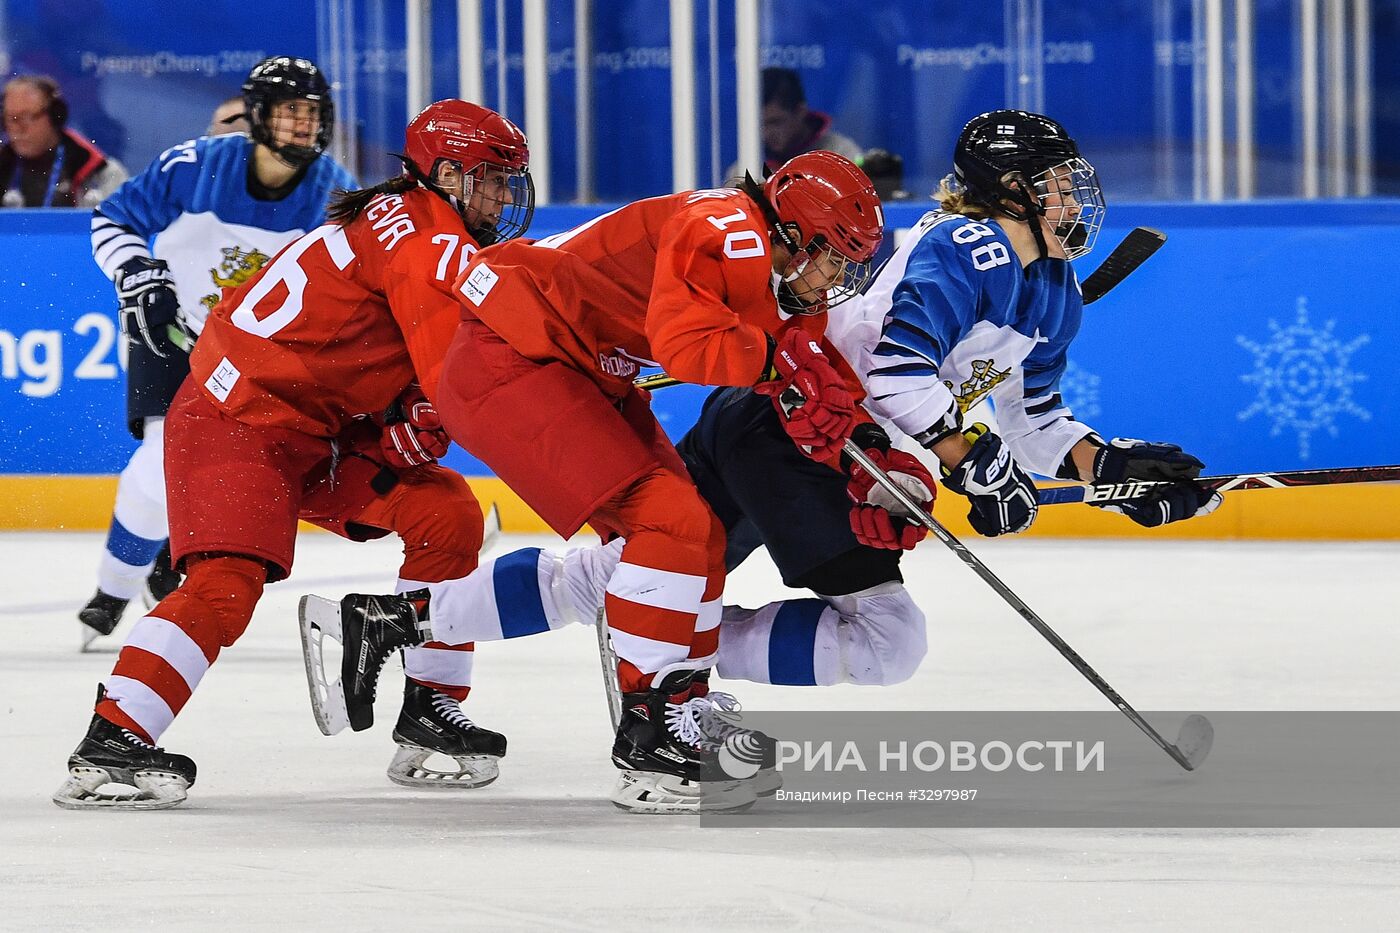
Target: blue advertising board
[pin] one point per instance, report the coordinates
(1261, 337)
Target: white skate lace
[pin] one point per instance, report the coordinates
(720, 719)
(447, 708)
(135, 739)
(684, 721)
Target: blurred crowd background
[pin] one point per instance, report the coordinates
(1171, 99)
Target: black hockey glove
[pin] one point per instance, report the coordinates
(1126, 458)
(1002, 495)
(1167, 503)
(148, 302)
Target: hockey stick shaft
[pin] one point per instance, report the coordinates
(853, 451)
(1112, 493)
(1135, 249)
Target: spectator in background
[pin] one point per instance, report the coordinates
(885, 170)
(231, 116)
(790, 127)
(43, 163)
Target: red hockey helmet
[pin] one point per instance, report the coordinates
(824, 205)
(493, 157)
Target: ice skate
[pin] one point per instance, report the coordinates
(114, 769)
(432, 723)
(740, 750)
(162, 580)
(667, 764)
(369, 629)
(100, 617)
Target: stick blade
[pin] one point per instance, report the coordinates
(1135, 249)
(1195, 740)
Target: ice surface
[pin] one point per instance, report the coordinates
(289, 830)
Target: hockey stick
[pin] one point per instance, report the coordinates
(1111, 493)
(1135, 249)
(1194, 740)
(1114, 493)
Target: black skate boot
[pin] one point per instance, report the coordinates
(668, 765)
(162, 580)
(431, 722)
(101, 614)
(369, 629)
(110, 755)
(741, 749)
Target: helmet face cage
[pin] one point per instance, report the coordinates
(850, 278)
(1072, 201)
(281, 79)
(512, 214)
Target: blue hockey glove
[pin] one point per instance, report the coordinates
(1126, 458)
(1167, 503)
(1002, 495)
(148, 304)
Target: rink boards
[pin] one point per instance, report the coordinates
(1261, 337)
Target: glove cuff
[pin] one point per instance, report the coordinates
(769, 372)
(867, 436)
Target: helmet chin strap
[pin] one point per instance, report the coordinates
(485, 236)
(1031, 212)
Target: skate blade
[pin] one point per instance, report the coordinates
(408, 769)
(90, 643)
(149, 790)
(320, 617)
(767, 782)
(652, 792)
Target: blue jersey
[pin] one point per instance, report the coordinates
(953, 318)
(192, 208)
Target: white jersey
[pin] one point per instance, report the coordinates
(952, 319)
(198, 208)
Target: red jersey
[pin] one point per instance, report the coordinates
(341, 320)
(683, 281)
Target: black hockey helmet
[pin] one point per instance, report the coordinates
(1029, 160)
(280, 78)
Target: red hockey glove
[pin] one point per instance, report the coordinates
(877, 518)
(826, 414)
(413, 433)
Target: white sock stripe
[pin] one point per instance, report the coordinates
(169, 642)
(709, 616)
(439, 666)
(142, 704)
(647, 654)
(660, 589)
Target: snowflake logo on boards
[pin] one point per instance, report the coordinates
(1080, 390)
(1304, 376)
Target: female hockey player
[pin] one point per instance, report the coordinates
(979, 296)
(283, 418)
(538, 384)
(204, 216)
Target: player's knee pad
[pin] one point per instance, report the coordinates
(884, 639)
(219, 590)
(440, 522)
(673, 507)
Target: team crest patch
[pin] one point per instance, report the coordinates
(985, 378)
(239, 266)
(479, 283)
